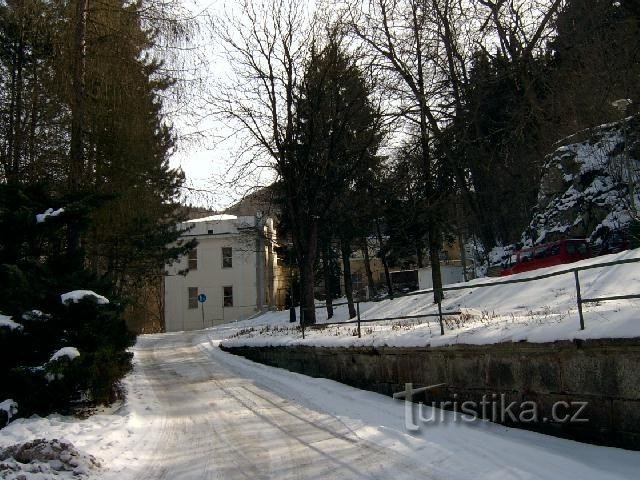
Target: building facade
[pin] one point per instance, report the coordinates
(234, 266)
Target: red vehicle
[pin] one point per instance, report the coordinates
(547, 255)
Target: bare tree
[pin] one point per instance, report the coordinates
(425, 48)
(265, 45)
(401, 38)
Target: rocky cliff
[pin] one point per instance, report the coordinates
(584, 188)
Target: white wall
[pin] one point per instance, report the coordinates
(450, 274)
(210, 278)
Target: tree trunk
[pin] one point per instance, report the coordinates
(77, 103)
(383, 257)
(434, 257)
(463, 255)
(425, 116)
(419, 253)
(367, 267)
(18, 130)
(307, 260)
(345, 248)
(326, 262)
(10, 154)
(307, 302)
(76, 153)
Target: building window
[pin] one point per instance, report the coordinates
(227, 296)
(356, 281)
(193, 259)
(227, 257)
(193, 297)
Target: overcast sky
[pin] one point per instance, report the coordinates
(201, 154)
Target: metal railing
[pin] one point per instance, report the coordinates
(441, 314)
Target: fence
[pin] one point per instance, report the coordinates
(580, 301)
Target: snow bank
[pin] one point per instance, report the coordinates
(77, 295)
(538, 311)
(7, 322)
(50, 212)
(69, 352)
(114, 436)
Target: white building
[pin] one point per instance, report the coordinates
(449, 273)
(233, 265)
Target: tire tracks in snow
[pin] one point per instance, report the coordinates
(221, 424)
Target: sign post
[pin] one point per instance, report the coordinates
(202, 298)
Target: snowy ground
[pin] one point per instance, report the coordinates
(538, 311)
(195, 412)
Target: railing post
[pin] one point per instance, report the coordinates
(358, 310)
(440, 313)
(579, 296)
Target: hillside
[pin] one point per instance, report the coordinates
(537, 311)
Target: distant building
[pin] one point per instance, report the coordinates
(234, 265)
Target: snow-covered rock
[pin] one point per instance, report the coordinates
(7, 322)
(76, 295)
(8, 410)
(44, 459)
(583, 190)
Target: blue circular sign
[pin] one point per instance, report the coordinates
(202, 298)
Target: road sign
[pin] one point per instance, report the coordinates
(202, 298)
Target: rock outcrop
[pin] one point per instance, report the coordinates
(584, 188)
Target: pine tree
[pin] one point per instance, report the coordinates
(499, 138)
(117, 230)
(337, 137)
(34, 269)
(595, 61)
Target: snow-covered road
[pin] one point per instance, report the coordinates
(231, 419)
(197, 412)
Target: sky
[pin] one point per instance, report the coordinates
(207, 148)
(201, 153)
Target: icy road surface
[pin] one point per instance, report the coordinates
(196, 412)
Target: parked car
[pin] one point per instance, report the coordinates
(547, 255)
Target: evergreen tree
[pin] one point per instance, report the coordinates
(34, 274)
(112, 179)
(33, 118)
(336, 135)
(500, 143)
(595, 61)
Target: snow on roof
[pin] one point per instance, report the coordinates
(77, 295)
(69, 352)
(6, 321)
(213, 218)
(50, 212)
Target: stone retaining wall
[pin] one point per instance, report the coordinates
(603, 373)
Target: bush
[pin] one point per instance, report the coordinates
(35, 269)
